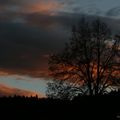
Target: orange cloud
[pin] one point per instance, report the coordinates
(32, 72)
(9, 91)
(35, 67)
(43, 7)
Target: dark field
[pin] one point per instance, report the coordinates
(82, 108)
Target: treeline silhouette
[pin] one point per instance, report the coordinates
(81, 107)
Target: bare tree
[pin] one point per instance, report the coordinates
(64, 90)
(90, 60)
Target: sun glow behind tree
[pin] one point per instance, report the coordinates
(87, 60)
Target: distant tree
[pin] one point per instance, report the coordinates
(64, 90)
(90, 61)
(115, 93)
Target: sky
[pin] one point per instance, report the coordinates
(30, 30)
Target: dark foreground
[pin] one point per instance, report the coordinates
(82, 108)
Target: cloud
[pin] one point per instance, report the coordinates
(30, 6)
(9, 91)
(43, 7)
(51, 7)
(114, 12)
(23, 47)
(30, 30)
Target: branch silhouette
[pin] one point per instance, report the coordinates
(88, 62)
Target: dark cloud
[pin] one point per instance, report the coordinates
(23, 46)
(27, 38)
(114, 12)
(16, 2)
(5, 2)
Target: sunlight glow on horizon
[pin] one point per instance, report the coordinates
(35, 85)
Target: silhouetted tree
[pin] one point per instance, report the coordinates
(90, 60)
(62, 90)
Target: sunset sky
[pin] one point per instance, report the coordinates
(30, 30)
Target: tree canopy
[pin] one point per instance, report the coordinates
(90, 60)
